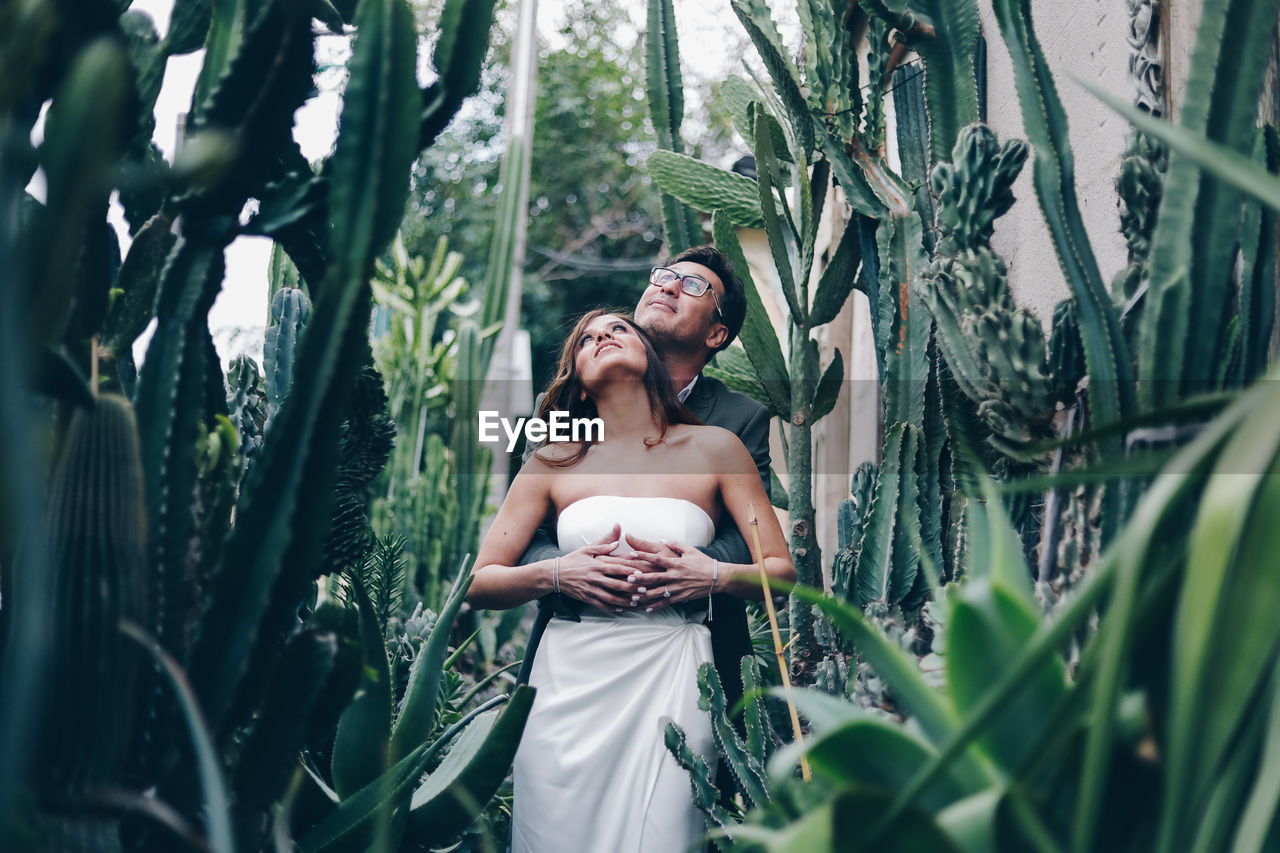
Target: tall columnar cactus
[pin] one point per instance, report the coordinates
(246, 407)
(666, 108)
(290, 311)
(227, 591)
(96, 541)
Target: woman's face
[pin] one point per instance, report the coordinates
(608, 348)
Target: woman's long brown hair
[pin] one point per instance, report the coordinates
(566, 393)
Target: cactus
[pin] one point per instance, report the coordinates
(368, 436)
(247, 409)
(851, 520)
(995, 351)
(96, 541)
(665, 92)
(290, 311)
(228, 575)
(746, 759)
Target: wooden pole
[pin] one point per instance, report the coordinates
(777, 636)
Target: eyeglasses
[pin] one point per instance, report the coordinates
(690, 284)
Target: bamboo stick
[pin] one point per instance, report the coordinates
(777, 636)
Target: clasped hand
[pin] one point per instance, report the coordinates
(651, 575)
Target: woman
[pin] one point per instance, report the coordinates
(592, 771)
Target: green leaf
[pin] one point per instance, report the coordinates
(987, 628)
(828, 389)
(1225, 164)
(839, 278)
(225, 30)
(1165, 496)
(907, 347)
(460, 787)
(352, 820)
(758, 337)
(217, 803)
(360, 746)
(188, 26)
(270, 752)
(706, 188)
(418, 709)
(777, 492)
(875, 551)
(1225, 634)
(1264, 800)
(880, 755)
(139, 278)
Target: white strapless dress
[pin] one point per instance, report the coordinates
(592, 772)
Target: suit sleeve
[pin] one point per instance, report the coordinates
(729, 546)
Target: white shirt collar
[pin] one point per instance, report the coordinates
(688, 389)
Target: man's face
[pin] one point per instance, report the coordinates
(674, 319)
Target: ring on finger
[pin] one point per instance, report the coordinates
(666, 593)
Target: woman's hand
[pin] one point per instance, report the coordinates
(673, 572)
(584, 575)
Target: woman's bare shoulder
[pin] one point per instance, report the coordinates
(717, 442)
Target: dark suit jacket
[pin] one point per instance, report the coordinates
(718, 406)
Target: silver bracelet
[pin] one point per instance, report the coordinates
(715, 574)
(555, 576)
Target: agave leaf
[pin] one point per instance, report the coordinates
(360, 747)
(418, 708)
(459, 788)
(872, 752)
(1264, 800)
(354, 817)
(1223, 637)
(217, 803)
(1167, 494)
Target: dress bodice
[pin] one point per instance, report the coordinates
(668, 519)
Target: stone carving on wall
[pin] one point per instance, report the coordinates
(1146, 62)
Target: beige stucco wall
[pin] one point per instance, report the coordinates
(1088, 41)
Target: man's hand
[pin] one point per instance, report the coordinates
(586, 576)
(664, 573)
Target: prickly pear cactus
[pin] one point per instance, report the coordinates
(290, 310)
(995, 350)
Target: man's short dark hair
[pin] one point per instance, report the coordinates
(733, 305)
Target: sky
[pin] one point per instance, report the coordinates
(239, 314)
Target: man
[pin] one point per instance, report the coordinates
(693, 308)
